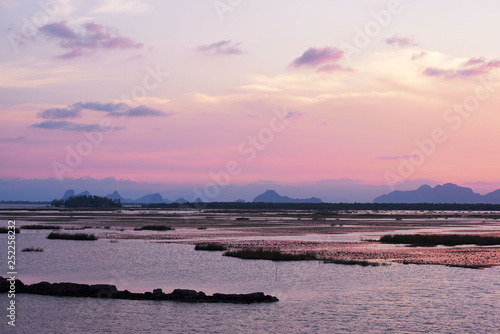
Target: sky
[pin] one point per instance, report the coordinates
(212, 93)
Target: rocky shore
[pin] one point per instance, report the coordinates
(110, 291)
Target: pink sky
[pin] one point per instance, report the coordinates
(288, 91)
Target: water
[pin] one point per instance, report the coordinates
(314, 297)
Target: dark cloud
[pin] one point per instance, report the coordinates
(113, 109)
(402, 42)
(71, 126)
(141, 111)
(73, 111)
(321, 59)
(12, 140)
(90, 38)
(221, 48)
(472, 67)
(109, 107)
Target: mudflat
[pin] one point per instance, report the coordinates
(329, 235)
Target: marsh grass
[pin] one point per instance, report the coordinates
(154, 228)
(32, 249)
(430, 240)
(6, 230)
(69, 236)
(41, 227)
(210, 246)
(353, 262)
(269, 254)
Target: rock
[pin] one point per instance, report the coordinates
(110, 291)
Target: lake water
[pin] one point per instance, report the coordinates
(314, 297)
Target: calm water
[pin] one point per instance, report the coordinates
(314, 297)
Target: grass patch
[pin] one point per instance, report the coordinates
(41, 227)
(32, 249)
(210, 246)
(430, 240)
(69, 236)
(154, 228)
(353, 262)
(6, 230)
(269, 254)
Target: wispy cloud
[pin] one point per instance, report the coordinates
(321, 59)
(73, 111)
(472, 67)
(123, 6)
(113, 109)
(402, 42)
(221, 48)
(91, 37)
(12, 140)
(418, 55)
(71, 126)
(293, 114)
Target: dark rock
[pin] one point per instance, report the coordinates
(110, 291)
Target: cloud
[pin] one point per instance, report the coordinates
(113, 109)
(472, 67)
(90, 38)
(109, 107)
(73, 111)
(221, 48)
(397, 157)
(321, 59)
(317, 56)
(418, 55)
(293, 114)
(123, 6)
(12, 140)
(402, 42)
(71, 126)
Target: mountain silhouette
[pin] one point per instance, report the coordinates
(69, 193)
(116, 195)
(271, 196)
(446, 193)
(150, 199)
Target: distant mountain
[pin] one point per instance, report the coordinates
(150, 199)
(446, 193)
(271, 196)
(240, 201)
(69, 193)
(181, 200)
(84, 193)
(116, 195)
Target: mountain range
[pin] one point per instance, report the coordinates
(271, 196)
(446, 193)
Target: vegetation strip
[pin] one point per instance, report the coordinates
(440, 239)
(210, 246)
(41, 227)
(269, 254)
(69, 236)
(154, 228)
